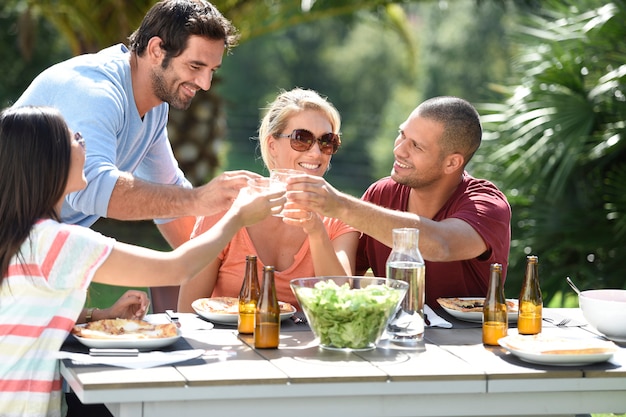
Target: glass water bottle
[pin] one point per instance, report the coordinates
(267, 320)
(530, 308)
(248, 297)
(495, 318)
(405, 263)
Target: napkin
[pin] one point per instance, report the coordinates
(553, 318)
(434, 319)
(190, 321)
(141, 361)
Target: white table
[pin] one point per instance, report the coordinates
(453, 375)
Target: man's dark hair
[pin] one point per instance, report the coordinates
(174, 21)
(461, 123)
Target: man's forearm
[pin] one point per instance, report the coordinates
(439, 241)
(135, 199)
(374, 220)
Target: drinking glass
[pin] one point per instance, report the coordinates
(278, 181)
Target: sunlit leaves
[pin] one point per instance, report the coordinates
(560, 139)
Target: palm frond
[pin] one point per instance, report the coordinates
(559, 143)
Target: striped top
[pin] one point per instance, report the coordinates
(40, 299)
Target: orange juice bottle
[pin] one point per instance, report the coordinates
(267, 319)
(495, 318)
(530, 300)
(248, 297)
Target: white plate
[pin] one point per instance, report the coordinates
(477, 316)
(229, 318)
(558, 351)
(144, 344)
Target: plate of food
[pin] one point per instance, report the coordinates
(471, 308)
(559, 351)
(124, 333)
(225, 310)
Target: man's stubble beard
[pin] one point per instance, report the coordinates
(414, 182)
(163, 93)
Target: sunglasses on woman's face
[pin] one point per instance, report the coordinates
(302, 140)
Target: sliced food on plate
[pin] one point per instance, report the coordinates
(217, 305)
(124, 329)
(471, 308)
(552, 345)
(124, 333)
(224, 310)
(555, 350)
(467, 304)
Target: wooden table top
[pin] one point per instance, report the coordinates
(451, 363)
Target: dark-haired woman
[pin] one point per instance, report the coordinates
(47, 265)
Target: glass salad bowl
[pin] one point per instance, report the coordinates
(348, 313)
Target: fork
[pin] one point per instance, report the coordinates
(299, 320)
(562, 323)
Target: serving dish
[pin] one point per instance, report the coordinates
(558, 351)
(477, 316)
(348, 313)
(126, 342)
(229, 318)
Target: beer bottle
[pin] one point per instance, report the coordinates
(495, 318)
(248, 297)
(267, 320)
(530, 300)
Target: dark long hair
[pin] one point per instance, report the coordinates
(175, 20)
(35, 153)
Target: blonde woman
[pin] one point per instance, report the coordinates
(299, 131)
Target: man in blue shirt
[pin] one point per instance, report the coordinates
(119, 100)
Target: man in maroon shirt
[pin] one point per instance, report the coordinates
(464, 222)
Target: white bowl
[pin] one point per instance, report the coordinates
(606, 311)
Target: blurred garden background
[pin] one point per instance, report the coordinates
(547, 77)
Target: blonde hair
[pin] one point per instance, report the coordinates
(285, 106)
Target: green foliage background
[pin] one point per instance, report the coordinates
(557, 143)
(548, 78)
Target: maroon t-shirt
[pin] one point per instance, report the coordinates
(476, 201)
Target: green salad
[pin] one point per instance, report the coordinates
(348, 318)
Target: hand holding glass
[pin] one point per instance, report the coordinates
(278, 181)
(264, 185)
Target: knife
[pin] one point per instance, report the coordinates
(113, 352)
(173, 317)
